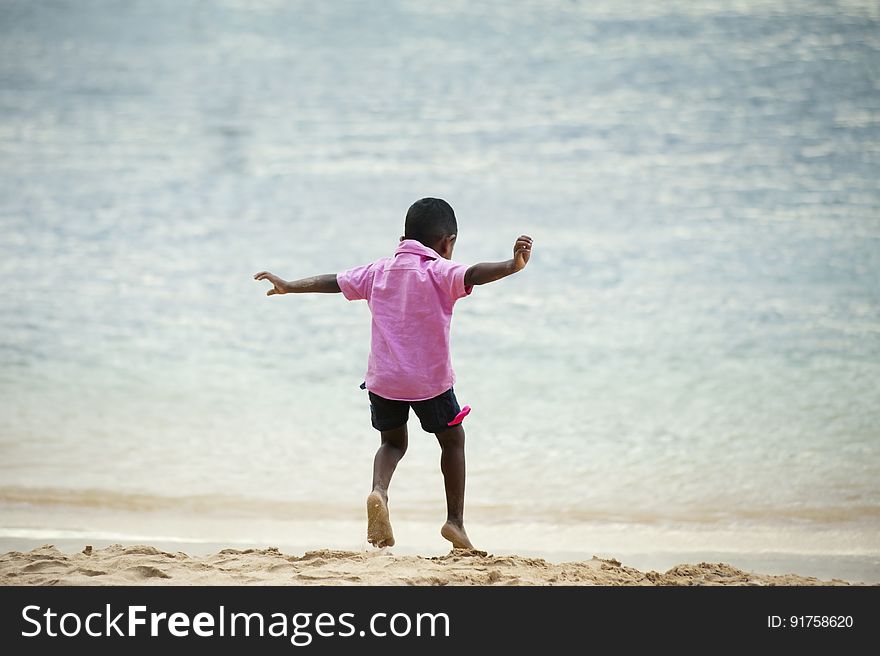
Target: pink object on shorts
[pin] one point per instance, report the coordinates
(465, 411)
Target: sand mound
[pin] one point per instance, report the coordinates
(144, 565)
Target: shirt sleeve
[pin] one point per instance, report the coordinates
(356, 283)
(453, 280)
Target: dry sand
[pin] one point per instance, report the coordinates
(143, 565)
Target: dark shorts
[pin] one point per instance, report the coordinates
(434, 414)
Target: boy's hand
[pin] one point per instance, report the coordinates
(522, 249)
(279, 283)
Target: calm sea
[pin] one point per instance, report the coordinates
(689, 365)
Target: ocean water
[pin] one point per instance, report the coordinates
(689, 365)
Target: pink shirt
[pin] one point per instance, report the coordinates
(410, 297)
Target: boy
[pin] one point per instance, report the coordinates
(411, 296)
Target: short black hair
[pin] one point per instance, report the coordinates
(429, 220)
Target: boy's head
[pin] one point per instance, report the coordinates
(432, 222)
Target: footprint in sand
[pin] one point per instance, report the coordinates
(379, 531)
(146, 572)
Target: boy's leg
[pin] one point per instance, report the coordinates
(392, 449)
(453, 468)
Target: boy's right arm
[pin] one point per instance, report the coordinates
(325, 284)
(480, 274)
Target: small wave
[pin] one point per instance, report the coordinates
(250, 507)
(145, 502)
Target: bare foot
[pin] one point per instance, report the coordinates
(456, 535)
(379, 532)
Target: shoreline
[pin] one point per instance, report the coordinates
(846, 551)
(147, 565)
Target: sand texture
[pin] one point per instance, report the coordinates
(144, 565)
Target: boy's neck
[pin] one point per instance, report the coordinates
(443, 246)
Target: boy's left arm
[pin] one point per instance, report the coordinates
(323, 284)
(484, 272)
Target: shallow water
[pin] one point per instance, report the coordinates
(690, 360)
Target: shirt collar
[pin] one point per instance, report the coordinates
(417, 248)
